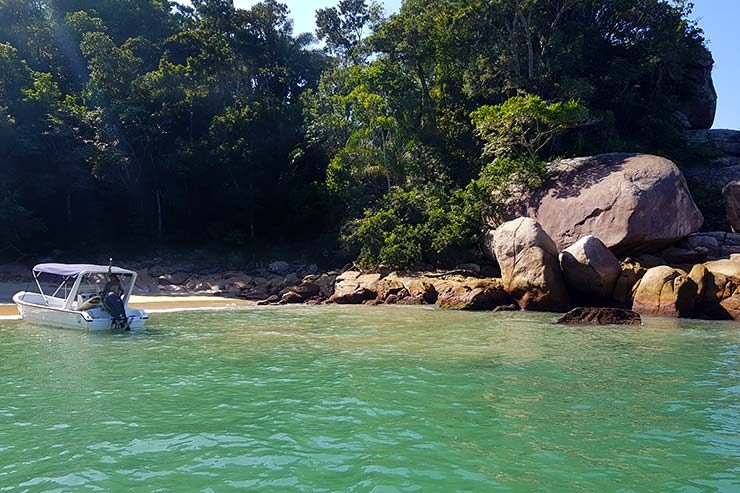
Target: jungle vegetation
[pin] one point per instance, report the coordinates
(144, 122)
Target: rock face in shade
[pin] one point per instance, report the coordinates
(631, 273)
(665, 292)
(632, 202)
(600, 316)
(590, 268)
(731, 193)
(700, 106)
(722, 141)
(530, 269)
(718, 244)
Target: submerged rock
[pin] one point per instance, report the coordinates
(600, 316)
(530, 268)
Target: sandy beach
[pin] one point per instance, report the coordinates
(152, 304)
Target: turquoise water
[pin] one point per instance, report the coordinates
(365, 399)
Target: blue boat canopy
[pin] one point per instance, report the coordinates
(73, 270)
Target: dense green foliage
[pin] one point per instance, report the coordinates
(143, 119)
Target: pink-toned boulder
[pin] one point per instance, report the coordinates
(530, 268)
(590, 268)
(633, 203)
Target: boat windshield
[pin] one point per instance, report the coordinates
(94, 284)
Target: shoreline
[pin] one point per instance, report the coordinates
(160, 304)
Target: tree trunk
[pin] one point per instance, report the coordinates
(68, 204)
(159, 214)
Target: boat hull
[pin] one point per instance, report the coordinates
(80, 320)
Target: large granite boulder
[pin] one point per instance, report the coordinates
(530, 269)
(665, 292)
(631, 202)
(590, 268)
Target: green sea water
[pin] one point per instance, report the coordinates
(364, 399)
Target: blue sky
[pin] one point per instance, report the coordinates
(720, 20)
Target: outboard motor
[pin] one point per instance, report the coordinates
(114, 306)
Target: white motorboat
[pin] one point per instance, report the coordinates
(87, 297)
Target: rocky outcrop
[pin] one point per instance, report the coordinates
(472, 294)
(718, 244)
(700, 106)
(631, 272)
(448, 291)
(721, 141)
(590, 268)
(715, 173)
(600, 316)
(631, 202)
(530, 268)
(665, 292)
(675, 255)
(731, 194)
(731, 307)
(354, 287)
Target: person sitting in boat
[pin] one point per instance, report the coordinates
(113, 302)
(113, 286)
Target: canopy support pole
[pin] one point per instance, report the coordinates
(41, 291)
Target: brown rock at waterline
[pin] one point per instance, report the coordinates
(630, 274)
(731, 306)
(530, 267)
(471, 294)
(665, 292)
(590, 268)
(633, 203)
(353, 287)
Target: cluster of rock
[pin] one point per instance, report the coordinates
(451, 290)
(719, 173)
(566, 250)
(258, 283)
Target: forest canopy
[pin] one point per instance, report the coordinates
(141, 122)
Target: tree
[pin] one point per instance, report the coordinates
(345, 26)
